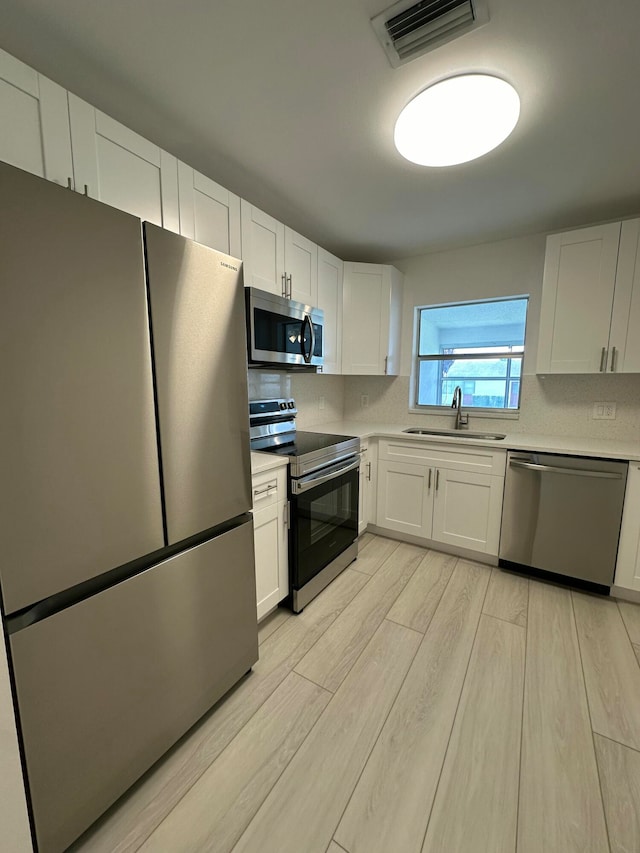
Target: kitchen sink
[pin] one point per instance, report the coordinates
(457, 433)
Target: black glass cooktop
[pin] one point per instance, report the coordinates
(306, 442)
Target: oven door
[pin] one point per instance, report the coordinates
(283, 332)
(324, 519)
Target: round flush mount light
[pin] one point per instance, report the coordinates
(457, 120)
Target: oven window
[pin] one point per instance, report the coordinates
(324, 523)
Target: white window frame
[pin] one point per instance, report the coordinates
(485, 412)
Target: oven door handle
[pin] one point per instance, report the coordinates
(302, 485)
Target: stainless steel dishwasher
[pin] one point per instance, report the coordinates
(562, 515)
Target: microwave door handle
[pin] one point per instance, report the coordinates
(305, 355)
(313, 341)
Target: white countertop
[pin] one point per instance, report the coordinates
(266, 461)
(600, 447)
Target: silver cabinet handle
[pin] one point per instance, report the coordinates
(554, 469)
(86, 189)
(429, 483)
(614, 354)
(285, 515)
(603, 360)
(290, 287)
(437, 478)
(284, 284)
(386, 364)
(265, 491)
(369, 471)
(69, 187)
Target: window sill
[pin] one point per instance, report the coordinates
(510, 415)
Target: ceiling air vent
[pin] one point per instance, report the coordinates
(406, 30)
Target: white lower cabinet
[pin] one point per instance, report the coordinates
(467, 510)
(444, 495)
(270, 516)
(367, 485)
(628, 563)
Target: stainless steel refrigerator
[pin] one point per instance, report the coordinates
(126, 569)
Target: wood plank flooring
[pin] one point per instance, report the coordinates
(421, 704)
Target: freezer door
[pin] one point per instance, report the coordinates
(78, 452)
(200, 359)
(107, 686)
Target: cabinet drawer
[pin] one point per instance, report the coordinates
(268, 488)
(471, 458)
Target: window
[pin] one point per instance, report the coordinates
(476, 345)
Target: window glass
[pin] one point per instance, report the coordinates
(477, 346)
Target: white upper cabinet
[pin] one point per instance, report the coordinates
(578, 301)
(624, 355)
(301, 268)
(330, 274)
(262, 249)
(209, 213)
(372, 319)
(115, 165)
(35, 122)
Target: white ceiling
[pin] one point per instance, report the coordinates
(291, 104)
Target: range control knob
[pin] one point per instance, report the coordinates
(291, 404)
(283, 406)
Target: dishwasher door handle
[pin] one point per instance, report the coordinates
(554, 469)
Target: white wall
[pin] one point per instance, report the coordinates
(507, 268)
(553, 405)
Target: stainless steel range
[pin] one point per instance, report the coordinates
(323, 496)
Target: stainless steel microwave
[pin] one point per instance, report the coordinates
(282, 333)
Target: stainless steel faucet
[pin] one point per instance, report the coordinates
(462, 418)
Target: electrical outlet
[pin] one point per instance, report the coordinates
(604, 411)
(321, 402)
(364, 401)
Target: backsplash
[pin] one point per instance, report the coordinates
(319, 397)
(553, 405)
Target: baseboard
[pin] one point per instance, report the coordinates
(465, 553)
(625, 594)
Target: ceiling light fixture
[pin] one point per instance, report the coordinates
(457, 120)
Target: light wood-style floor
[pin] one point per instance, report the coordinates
(421, 703)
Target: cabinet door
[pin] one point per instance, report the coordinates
(301, 267)
(405, 498)
(209, 213)
(577, 300)
(262, 249)
(624, 353)
(363, 494)
(365, 319)
(467, 509)
(35, 122)
(122, 169)
(266, 533)
(330, 274)
(628, 562)
(272, 581)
